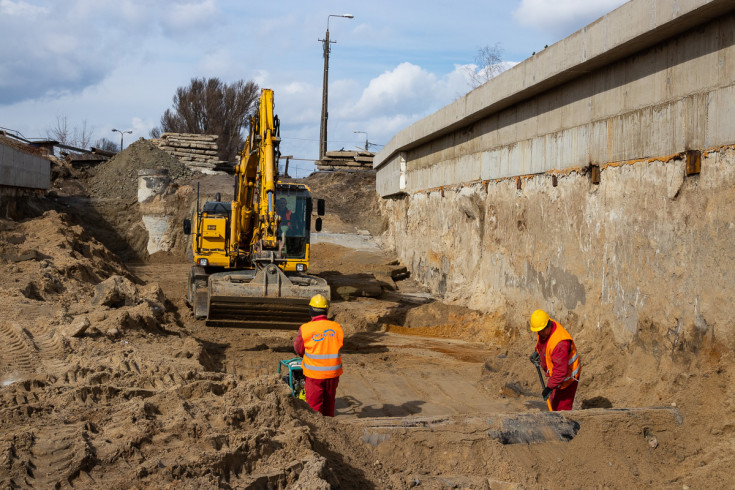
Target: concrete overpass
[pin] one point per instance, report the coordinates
(647, 79)
(584, 178)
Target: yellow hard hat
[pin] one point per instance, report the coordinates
(539, 320)
(319, 301)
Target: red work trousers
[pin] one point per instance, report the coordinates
(321, 393)
(563, 399)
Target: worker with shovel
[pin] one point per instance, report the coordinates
(557, 355)
(319, 343)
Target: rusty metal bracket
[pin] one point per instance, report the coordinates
(694, 162)
(595, 174)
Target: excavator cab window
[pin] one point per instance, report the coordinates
(291, 206)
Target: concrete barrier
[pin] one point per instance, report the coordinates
(20, 169)
(153, 185)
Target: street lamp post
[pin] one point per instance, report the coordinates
(323, 131)
(121, 136)
(366, 138)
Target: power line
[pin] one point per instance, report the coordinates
(308, 139)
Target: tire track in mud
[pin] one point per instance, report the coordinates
(58, 454)
(50, 347)
(18, 358)
(38, 349)
(117, 378)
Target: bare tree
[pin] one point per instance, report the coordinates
(106, 144)
(209, 106)
(76, 137)
(489, 64)
(155, 133)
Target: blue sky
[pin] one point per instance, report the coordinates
(117, 64)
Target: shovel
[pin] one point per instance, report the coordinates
(543, 385)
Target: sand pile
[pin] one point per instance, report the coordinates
(99, 381)
(118, 177)
(111, 213)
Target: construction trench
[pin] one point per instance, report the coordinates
(601, 191)
(108, 379)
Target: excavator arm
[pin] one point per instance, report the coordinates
(256, 228)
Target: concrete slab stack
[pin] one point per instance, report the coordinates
(196, 151)
(346, 161)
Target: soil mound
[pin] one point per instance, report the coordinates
(53, 258)
(351, 198)
(118, 177)
(99, 381)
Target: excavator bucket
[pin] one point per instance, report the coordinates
(267, 298)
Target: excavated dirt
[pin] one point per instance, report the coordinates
(106, 379)
(118, 178)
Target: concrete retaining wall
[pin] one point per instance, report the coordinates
(645, 246)
(571, 181)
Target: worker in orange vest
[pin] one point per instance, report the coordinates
(558, 357)
(319, 343)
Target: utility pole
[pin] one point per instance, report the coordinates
(325, 83)
(366, 138)
(285, 170)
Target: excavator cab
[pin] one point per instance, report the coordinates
(294, 207)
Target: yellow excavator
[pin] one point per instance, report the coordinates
(251, 255)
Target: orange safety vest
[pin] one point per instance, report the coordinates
(574, 365)
(286, 218)
(322, 342)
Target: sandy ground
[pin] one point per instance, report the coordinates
(107, 379)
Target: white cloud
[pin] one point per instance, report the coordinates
(390, 102)
(216, 61)
(295, 88)
(188, 16)
(141, 128)
(405, 88)
(559, 18)
(68, 46)
(20, 9)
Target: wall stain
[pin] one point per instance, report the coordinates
(557, 283)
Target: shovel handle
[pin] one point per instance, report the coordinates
(543, 385)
